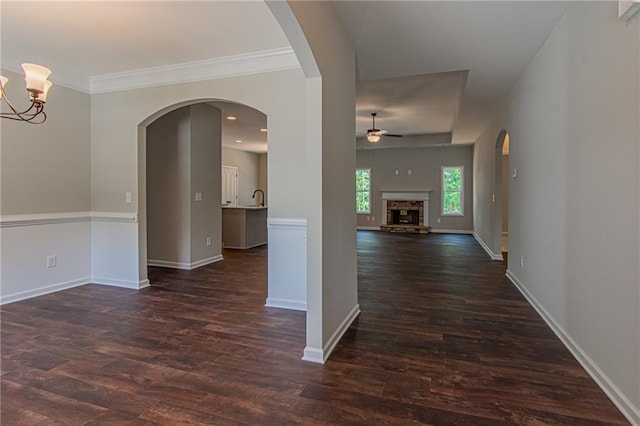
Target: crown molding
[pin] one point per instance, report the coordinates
(210, 69)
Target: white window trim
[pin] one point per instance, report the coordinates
(442, 213)
(365, 211)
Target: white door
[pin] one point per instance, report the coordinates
(229, 186)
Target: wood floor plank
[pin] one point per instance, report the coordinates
(443, 338)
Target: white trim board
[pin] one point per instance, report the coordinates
(286, 223)
(41, 291)
(295, 305)
(8, 221)
(628, 409)
(184, 265)
(133, 285)
(320, 356)
(187, 72)
(486, 248)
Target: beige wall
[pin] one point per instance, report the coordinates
(46, 168)
(425, 165)
(573, 125)
(505, 193)
(248, 164)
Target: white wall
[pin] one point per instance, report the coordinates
(332, 301)
(425, 165)
(573, 124)
(248, 164)
(45, 187)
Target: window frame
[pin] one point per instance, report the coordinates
(443, 191)
(359, 191)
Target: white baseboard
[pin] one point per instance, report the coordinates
(206, 261)
(320, 356)
(450, 231)
(41, 291)
(295, 305)
(244, 248)
(487, 249)
(628, 409)
(368, 228)
(184, 265)
(134, 285)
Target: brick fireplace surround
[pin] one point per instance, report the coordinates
(405, 200)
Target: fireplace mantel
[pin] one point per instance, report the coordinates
(422, 195)
(419, 195)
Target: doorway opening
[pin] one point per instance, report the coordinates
(502, 174)
(182, 151)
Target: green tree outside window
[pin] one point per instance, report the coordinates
(452, 191)
(363, 190)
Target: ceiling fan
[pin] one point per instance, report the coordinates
(374, 135)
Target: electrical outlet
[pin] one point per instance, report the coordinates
(52, 261)
(397, 172)
(522, 261)
(127, 197)
(208, 241)
(514, 173)
(409, 171)
(198, 196)
(438, 220)
(373, 218)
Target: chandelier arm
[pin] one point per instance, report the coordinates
(28, 115)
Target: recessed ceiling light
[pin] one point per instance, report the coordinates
(238, 140)
(263, 130)
(231, 117)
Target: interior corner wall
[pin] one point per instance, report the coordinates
(573, 123)
(248, 164)
(425, 166)
(44, 178)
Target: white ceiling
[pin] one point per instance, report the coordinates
(440, 48)
(493, 40)
(246, 127)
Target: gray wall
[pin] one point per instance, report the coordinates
(168, 187)
(206, 215)
(263, 172)
(183, 157)
(46, 168)
(248, 164)
(425, 165)
(573, 121)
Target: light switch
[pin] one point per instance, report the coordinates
(409, 171)
(127, 197)
(397, 172)
(514, 173)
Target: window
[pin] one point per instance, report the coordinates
(363, 190)
(453, 191)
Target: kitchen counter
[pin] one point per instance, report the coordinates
(244, 227)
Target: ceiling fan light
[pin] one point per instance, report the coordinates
(373, 138)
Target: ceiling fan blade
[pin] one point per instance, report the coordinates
(391, 135)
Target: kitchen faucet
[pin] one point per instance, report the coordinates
(254, 196)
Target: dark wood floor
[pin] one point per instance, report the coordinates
(443, 338)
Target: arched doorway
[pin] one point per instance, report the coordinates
(501, 192)
(181, 151)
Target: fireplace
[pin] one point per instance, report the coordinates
(405, 217)
(405, 211)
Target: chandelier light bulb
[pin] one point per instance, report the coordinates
(36, 77)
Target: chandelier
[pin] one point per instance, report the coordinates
(37, 86)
